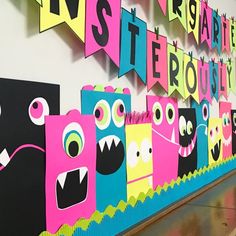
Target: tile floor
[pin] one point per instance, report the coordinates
(211, 214)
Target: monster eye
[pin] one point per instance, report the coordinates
(224, 119)
(102, 114)
(212, 135)
(170, 113)
(73, 140)
(182, 126)
(118, 113)
(189, 127)
(205, 112)
(157, 113)
(228, 118)
(146, 150)
(37, 110)
(234, 119)
(132, 154)
(217, 130)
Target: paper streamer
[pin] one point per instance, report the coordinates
(133, 54)
(103, 28)
(156, 60)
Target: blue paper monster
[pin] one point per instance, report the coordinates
(202, 114)
(109, 106)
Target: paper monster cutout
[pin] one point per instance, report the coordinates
(202, 115)
(55, 12)
(103, 28)
(138, 132)
(164, 137)
(71, 168)
(133, 49)
(22, 160)
(215, 137)
(109, 107)
(225, 115)
(233, 118)
(187, 141)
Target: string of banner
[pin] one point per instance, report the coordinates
(131, 46)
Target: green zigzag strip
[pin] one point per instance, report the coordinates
(110, 210)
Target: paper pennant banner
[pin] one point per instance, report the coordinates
(156, 60)
(53, 13)
(191, 77)
(232, 34)
(222, 80)
(175, 70)
(205, 24)
(193, 15)
(133, 53)
(231, 76)
(204, 81)
(103, 28)
(214, 78)
(225, 34)
(39, 2)
(177, 9)
(163, 5)
(216, 31)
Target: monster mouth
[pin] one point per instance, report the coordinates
(215, 152)
(72, 187)
(5, 158)
(172, 140)
(110, 155)
(186, 151)
(227, 141)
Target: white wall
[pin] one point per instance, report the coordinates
(57, 55)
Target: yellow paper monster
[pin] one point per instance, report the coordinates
(139, 154)
(215, 136)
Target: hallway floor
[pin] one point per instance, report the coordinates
(212, 213)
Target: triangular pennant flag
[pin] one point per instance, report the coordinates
(156, 60)
(231, 76)
(133, 55)
(103, 28)
(191, 77)
(216, 31)
(177, 9)
(222, 79)
(214, 78)
(232, 34)
(193, 15)
(55, 12)
(163, 6)
(225, 34)
(175, 70)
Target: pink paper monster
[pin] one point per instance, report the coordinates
(225, 115)
(165, 138)
(70, 169)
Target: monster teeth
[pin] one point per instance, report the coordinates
(62, 178)
(82, 172)
(102, 144)
(116, 140)
(108, 140)
(173, 136)
(184, 152)
(192, 145)
(189, 150)
(4, 157)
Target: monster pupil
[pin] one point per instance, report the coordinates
(35, 105)
(97, 113)
(73, 149)
(121, 108)
(137, 154)
(150, 150)
(158, 114)
(170, 113)
(205, 112)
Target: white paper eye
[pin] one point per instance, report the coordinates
(146, 150)
(133, 154)
(182, 126)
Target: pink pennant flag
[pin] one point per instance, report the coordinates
(205, 23)
(103, 28)
(162, 4)
(225, 34)
(204, 81)
(156, 60)
(222, 79)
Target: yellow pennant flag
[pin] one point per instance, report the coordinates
(193, 16)
(191, 77)
(55, 12)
